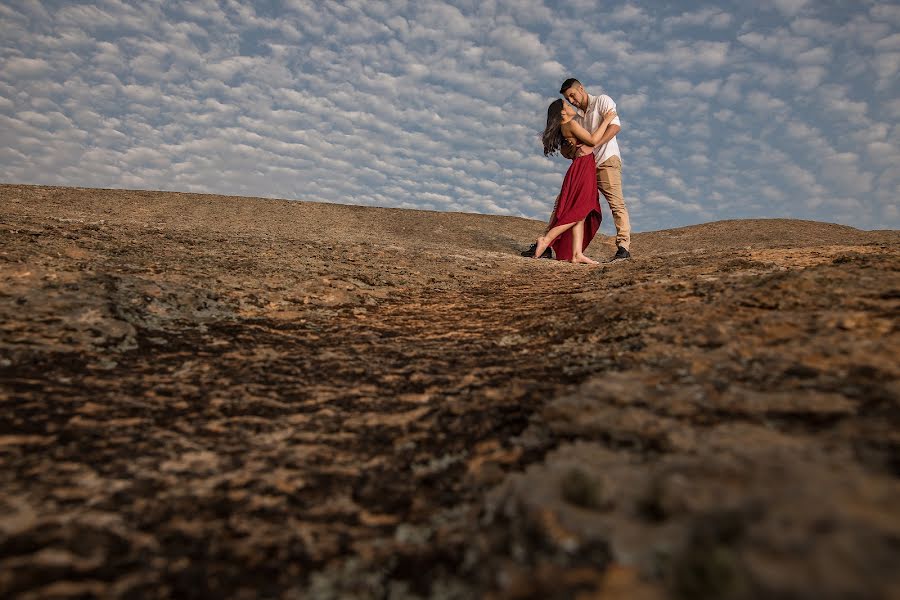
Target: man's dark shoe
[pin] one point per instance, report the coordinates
(548, 253)
(621, 254)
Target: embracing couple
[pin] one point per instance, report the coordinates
(584, 131)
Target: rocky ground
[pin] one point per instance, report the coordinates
(214, 397)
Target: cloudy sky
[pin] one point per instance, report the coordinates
(729, 109)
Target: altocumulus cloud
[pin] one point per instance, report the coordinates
(782, 108)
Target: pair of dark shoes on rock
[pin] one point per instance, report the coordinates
(621, 253)
(548, 253)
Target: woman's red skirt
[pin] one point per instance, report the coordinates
(578, 199)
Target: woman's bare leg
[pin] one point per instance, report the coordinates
(545, 240)
(577, 240)
(552, 214)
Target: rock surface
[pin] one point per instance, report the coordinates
(211, 397)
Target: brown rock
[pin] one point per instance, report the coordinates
(220, 397)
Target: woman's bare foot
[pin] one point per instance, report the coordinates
(542, 244)
(584, 260)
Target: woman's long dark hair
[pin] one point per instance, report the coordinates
(553, 138)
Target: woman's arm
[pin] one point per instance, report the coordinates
(592, 139)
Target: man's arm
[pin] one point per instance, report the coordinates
(611, 131)
(604, 104)
(596, 137)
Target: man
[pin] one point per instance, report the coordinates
(606, 155)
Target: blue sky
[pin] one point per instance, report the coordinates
(771, 108)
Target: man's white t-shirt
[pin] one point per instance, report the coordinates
(591, 119)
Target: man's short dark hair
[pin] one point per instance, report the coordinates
(567, 84)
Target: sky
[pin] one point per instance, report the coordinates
(729, 109)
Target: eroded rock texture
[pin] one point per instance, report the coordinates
(211, 397)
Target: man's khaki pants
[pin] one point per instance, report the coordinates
(609, 182)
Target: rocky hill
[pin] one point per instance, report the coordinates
(209, 397)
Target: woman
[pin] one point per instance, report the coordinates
(576, 219)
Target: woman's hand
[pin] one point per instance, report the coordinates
(609, 115)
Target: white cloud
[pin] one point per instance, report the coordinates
(445, 17)
(706, 17)
(889, 13)
(809, 78)
(630, 14)
(780, 43)
(846, 175)
(761, 102)
(789, 7)
(611, 44)
(886, 66)
(518, 42)
(551, 69)
(892, 108)
(91, 18)
(632, 103)
(34, 9)
(890, 42)
(25, 68)
(813, 56)
(840, 105)
(883, 154)
(862, 30)
(683, 55)
(814, 28)
(705, 89)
